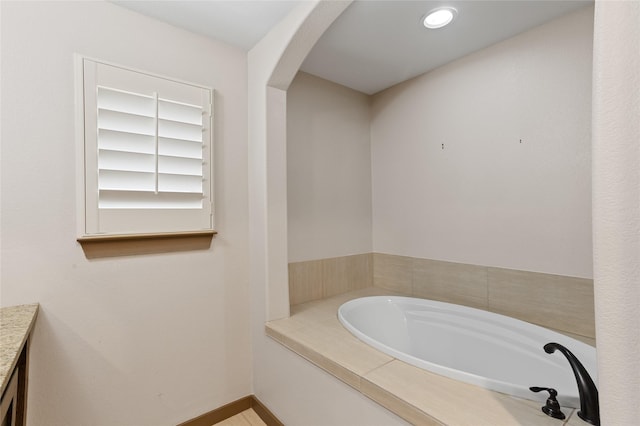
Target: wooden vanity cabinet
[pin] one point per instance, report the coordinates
(9, 402)
(16, 324)
(13, 405)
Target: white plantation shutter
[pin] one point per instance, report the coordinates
(147, 152)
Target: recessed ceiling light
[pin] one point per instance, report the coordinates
(439, 17)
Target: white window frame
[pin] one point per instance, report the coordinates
(95, 221)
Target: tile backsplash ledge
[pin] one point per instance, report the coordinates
(554, 301)
(319, 279)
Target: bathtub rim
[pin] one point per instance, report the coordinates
(569, 401)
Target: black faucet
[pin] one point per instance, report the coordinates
(589, 408)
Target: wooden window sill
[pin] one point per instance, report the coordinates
(97, 246)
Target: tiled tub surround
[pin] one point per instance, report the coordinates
(319, 279)
(554, 301)
(418, 396)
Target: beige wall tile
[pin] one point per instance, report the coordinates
(360, 271)
(331, 347)
(563, 303)
(308, 351)
(316, 334)
(305, 281)
(302, 315)
(452, 402)
(335, 276)
(397, 405)
(584, 339)
(332, 340)
(318, 279)
(450, 282)
(331, 304)
(326, 363)
(392, 272)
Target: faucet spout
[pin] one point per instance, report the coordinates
(589, 408)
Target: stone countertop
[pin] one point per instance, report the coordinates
(16, 322)
(418, 396)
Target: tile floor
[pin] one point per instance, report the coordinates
(246, 418)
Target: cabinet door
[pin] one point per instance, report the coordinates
(9, 402)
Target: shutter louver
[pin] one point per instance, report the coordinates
(150, 152)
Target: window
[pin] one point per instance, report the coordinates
(146, 153)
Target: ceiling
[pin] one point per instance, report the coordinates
(373, 44)
(241, 23)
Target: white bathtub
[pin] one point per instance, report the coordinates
(471, 345)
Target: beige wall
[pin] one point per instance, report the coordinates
(298, 392)
(144, 340)
(616, 230)
(328, 170)
(136, 339)
(486, 198)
